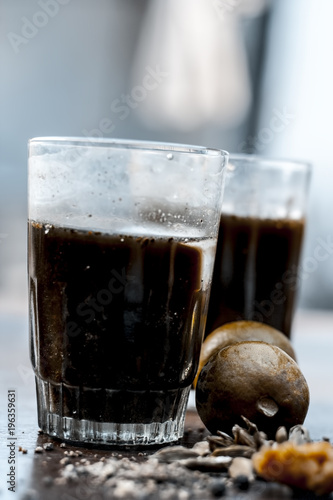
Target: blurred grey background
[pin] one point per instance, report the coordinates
(212, 72)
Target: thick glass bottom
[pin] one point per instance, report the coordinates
(157, 419)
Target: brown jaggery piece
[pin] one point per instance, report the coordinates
(307, 466)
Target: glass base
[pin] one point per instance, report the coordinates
(65, 421)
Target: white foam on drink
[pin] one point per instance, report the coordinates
(114, 190)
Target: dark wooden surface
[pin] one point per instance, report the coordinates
(313, 342)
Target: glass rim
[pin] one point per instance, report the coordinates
(270, 161)
(171, 147)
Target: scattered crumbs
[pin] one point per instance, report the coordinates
(125, 489)
(73, 453)
(183, 495)
(48, 446)
(127, 479)
(154, 477)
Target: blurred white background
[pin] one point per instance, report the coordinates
(212, 72)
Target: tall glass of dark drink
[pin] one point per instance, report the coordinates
(260, 241)
(122, 238)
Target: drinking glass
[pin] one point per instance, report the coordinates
(122, 238)
(260, 241)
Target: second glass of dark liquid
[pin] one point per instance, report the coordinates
(260, 241)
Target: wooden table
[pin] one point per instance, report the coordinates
(313, 342)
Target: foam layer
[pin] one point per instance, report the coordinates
(95, 188)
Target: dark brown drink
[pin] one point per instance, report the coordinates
(117, 322)
(255, 273)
